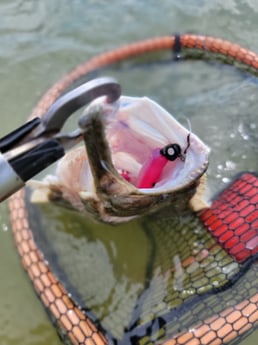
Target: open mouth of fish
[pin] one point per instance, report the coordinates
(137, 136)
(136, 152)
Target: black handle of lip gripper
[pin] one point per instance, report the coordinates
(32, 162)
(14, 172)
(11, 139)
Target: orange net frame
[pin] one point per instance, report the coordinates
(231, 227)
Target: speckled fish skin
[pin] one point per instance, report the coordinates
(110, 198)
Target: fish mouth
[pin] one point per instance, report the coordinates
(137, 133)
(126, 144)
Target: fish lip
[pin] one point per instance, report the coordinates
(167, 130)
(88, 177)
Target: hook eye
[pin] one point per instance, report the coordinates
(171, 152)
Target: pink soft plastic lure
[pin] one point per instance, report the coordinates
(152, 169)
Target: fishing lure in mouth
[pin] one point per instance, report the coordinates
(151, 171)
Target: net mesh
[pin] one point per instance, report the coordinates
(205, 279)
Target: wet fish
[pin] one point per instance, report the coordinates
(170, 283)
(138, 159)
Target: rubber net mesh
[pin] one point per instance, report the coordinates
(196, 270)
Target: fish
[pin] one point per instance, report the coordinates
(136, 159)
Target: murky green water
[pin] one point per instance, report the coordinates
(41, 41)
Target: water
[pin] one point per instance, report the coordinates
(41, 41)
